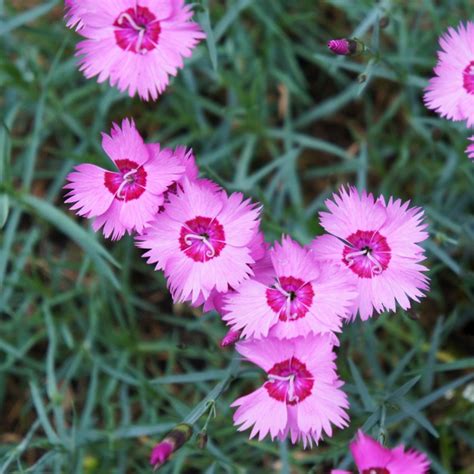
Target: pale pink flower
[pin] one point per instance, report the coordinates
(470, 149)
(202, 241)
(373, 458)
(376, 244)
(126, 199)
(451, 92)
(73, 14)
(302, 396)
(136, 45)
(301, 296)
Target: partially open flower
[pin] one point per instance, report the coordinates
(171, 443)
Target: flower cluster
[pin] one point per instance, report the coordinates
(451, 91)
(136, 47)
(286, 302)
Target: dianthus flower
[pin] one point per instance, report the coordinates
(136, 45)
(301, 296)
(373, 458)
(451, 92)
(302, 396)
(126, 199)
(376, 244)
(202, 241)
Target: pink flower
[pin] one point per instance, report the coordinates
(346, 47)
(202, 241)
(73, 14)
(299, 297)
(451, 92)
(376, 244)
(302, 396)
(372, 458)
(230, 338)
(470, 149)
(124, 200)
(136, 45)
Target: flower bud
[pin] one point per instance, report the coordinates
(230, 338)
(346, 47)
(171, 443)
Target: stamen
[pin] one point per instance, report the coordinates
(189, 238)
(128, 17)
(377, 269)
(291, 385)
(278, 287)
(352, 255)
(125, 181)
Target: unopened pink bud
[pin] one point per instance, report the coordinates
(346, 47)
(339, 46)
(160, 454)
(230, 338)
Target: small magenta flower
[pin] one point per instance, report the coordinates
(376, 244)
(450, 92)
(346, 47)
(373, 458)
(136, 45)
(176, 438)
(126, 199)
(302, 397)
(470, 149)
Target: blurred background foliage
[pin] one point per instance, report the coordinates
(96, 363)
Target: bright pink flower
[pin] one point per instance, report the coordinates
(202, 241)
(470, 149)
(124, 200)
(451, 91)
(230, 338)
(376, 244)
(300, 297)
(302, 396)
(136, 45)
(373, 458)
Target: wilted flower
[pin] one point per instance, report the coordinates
(171, 443)
(470, 149)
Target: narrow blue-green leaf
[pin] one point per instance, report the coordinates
(84, 239)
(205, 22)
(404, 389)
(31, 14)
(362, 389)
(5, 150)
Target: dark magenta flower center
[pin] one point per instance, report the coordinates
(368, 255)
(376, 470)
(202, 238)
(289, 381)
(129, 183)
(137, 30)
(290, 298)
(468, 78)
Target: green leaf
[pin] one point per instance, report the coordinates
(65, 224)
(5, 152)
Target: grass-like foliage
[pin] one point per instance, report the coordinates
(97, 364)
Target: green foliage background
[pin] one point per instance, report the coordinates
(96, 364)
